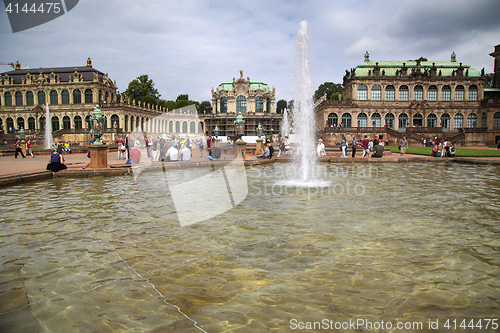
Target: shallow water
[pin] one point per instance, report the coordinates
(402, 243)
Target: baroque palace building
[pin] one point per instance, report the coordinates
(253, 99)
(417, 99)
(72, 94)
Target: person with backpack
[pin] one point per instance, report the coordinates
(215, 154)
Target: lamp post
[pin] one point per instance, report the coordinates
(239, 124)
(258, 142)
(22, 135)
(216, 133)
(96, 125)
(98, 151)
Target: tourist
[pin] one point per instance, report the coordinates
(443, 148)
(215, 154)
(127, 145)
(379, 150)
(28, 149)
(343, 147)
(172, 154)
(366, 146)
(200, 146)
(67, 148)
(266, 152)
(19, 149)
(155, 150)
(135, 154)
(5, 143)
(403, 144)
(209, 145)
(91, 142)
(56, 161)
(354, 145)
(320, 149)
(452, 150)
(271, 150)
(186, 153)
(436, 149)
(281, 147)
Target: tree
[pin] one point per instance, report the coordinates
(421, 59)
(281, 105)
(181, 103)
(329, 88)
(205, 106)
(182, 97)
(170, 105)
(141, 87)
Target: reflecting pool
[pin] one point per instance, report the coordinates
(398, 243)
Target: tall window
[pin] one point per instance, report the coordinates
(403, 121)
(459, 93)
(259, 104)
(390, 93)
(403, 93)
(31, 123)
(472, 120)
(30, 98)
(268, 105)
(184, 127)
(445, 122)
(88, 96)
(458, 121)
(332, 120)
(432, 94)
(41, 97)
(376, 93)
(241, 104)
(192, 127)
(446, 94)
(473, 93)
(432, 120)
(200, 127)
(362, 120)
(78, 122)
(223, 105)
(484, 120)
(418, 120)
(376, 120)
(66, 122)
(496, 121)
(55, 123)
(77, 96)
(41, 121)
(19, 98)
(53, 97)
(65, 97)
(389, 120)
(362, 92)
(177, 127)
(20, 123)
(116, 120)
(346, 120)
(418, 93)
(8, 99)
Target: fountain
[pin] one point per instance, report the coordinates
(285, 126)
(48, 128)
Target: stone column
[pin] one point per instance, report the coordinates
(240, 150)
(98, 156)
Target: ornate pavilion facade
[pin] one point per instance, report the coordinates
(253, 99)
(418, 99)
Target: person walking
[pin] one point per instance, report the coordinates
(28, 149)
(366, 146)
(19, 149)
(354, 144)
(403, 144)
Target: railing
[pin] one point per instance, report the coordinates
(424, 129)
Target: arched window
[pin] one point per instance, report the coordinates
(418, 120)
(31, 123)
(8, 99)
(115, 121)
(30, 98)
(223, 105)
(390, 93)
(473, 93)
(87, 121)
(403, 93)
(78, 122)
(432, 94)
(376, 120)
(418, 93)
(66, 122)
(88, 96)
(106, 97)
(259, 104)
(77, 96)
(496, 121)
(362, 120)
(459, 93)
(241, 104)
(446, 94)
(41, 97)
(432, 120)
(192, 127)
(170, 126)
(200, 127)
(20, 123)
(104, 122)
(362, 92)
(55, 123)
(376, 93)
(65, 97)
(403, 121)
(1, 124)
(389, 120)
(53, 97)
(268, 105)
(10, 125)
(41, 121)
(177, 127)
(458, 121)
(472, 120)
(184, 127)
(484, 120)
(445, 122)
(126, 123)
(333, 120)
(19, 98)
(346, 120)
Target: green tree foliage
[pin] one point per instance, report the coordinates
(421, 59)
(281, 105)
(181, 103)
(182, 97)
(205, 106)
(329, 88)
(140, 88)
(170, 105)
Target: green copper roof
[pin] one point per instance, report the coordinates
(390, 67)
(254, 85)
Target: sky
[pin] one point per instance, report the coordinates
(191, 46)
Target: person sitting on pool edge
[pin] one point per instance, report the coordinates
(379, 150)
(56, 161)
